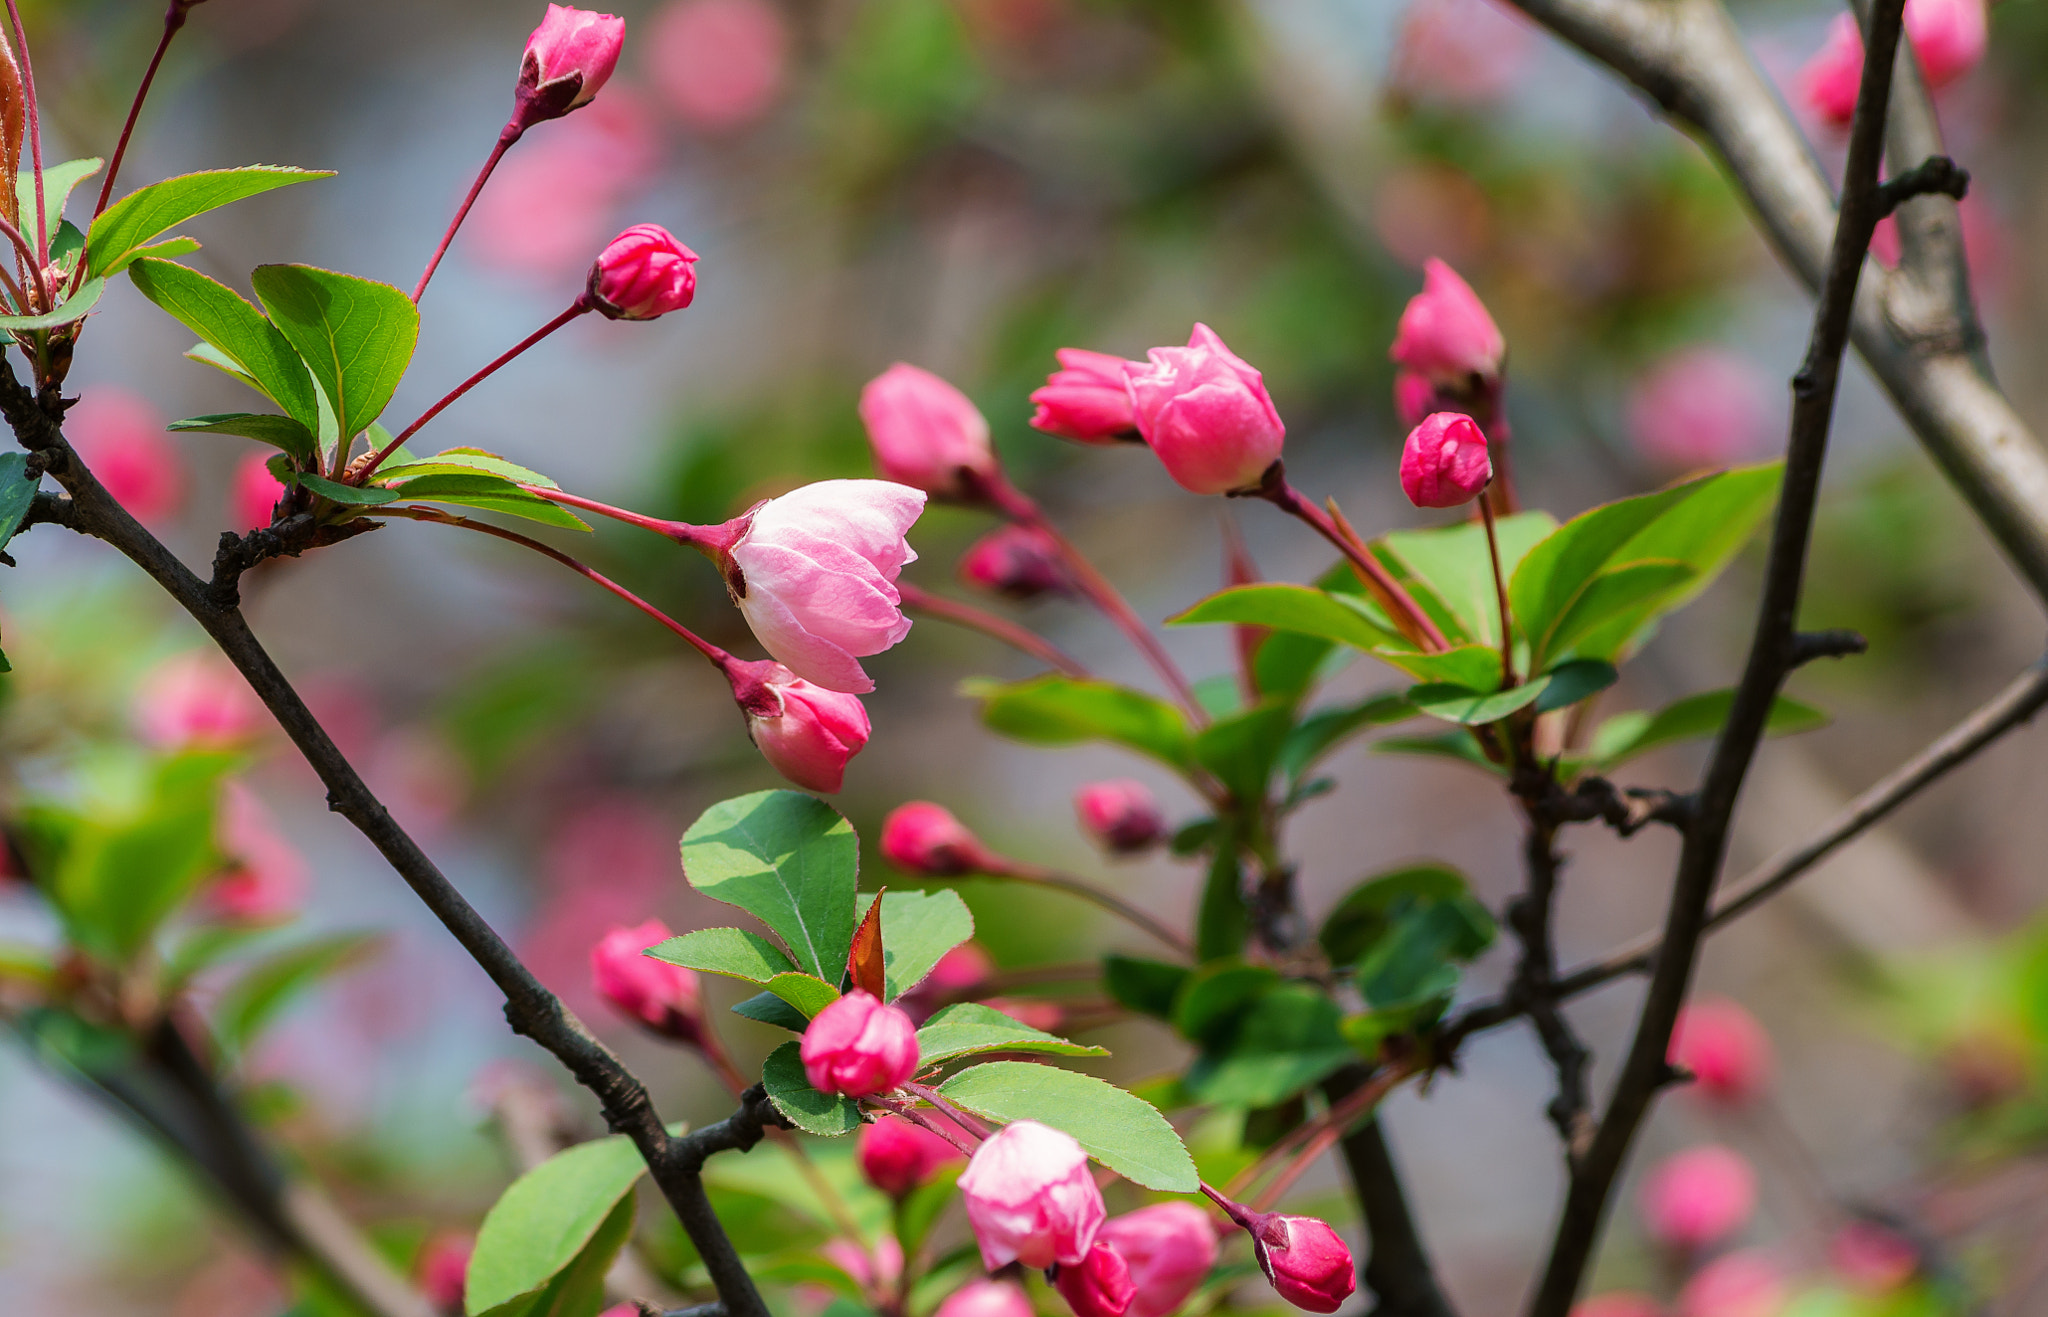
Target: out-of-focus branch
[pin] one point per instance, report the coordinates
(1397, 1270)
(1916, 326)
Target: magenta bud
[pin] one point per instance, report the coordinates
(896, 1155)
(1206, 413)
(1122, 815)
(925, 839)
(1017, 561)
(1727, 1051)
(807, 733)
(1305, 1260)
(927, 434)
(568, 58)
(661, 997)
(1444, 462)
(1698, 1197)
(1445, 334)
(641, 274)
(1030, 1198)
(859, 1047)
(253, 493)
(1085, 399)
(1099, 1285)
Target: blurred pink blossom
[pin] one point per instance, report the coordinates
(1872, 1258)
(269, 880)
(878, 1270)
(1462, 51)
(720, 64)
(253, 493)
(1699, 407)
(442, 1267)
(1727, 1051)
(1948, 36)
(1699, 1197)
(121, 437)
(1742, 1284)
(551, 202)
(606, 864)
(419, 777)
(196, 699)
(1031, 1012)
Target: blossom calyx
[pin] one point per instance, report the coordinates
(641, 274)
(568, 58)
(1030, 1198)
(1086, 399)
(1444, 463)
(927, 434)
(859, 1047)
(1206, 414)
(925, 839)
(805, 732)
(1445, 334)
(661, 997)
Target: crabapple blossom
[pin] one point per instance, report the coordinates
(1086, 399)
(568, 59)
(1030, 1199)
(1018, 561)
(925, 839)
(897, 1155)
(1206, 414)
(721, 64)
(196, 700)
(253, 493)
(1698, 1197)
(1121, 815)
(662, 997)
(120, 437)
(807, 733)
(1727, 1051)
(1099, 1285)
(1169, 1249)
(641, 274)
(1444, 463)
(1445, 334)
(1305, 1260)
(859, 1047)
(927, 434)
(986, 1298)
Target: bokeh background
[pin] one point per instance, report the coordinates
(968, 184)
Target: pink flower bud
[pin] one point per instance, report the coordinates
(1206, 414)
(1306, 1261)
(568, 58)
(269, 878)
(986, 1298)
(641, 274)
(1744, 1284)
(1619, 1303)
(1828, 81)
(1445, 334)
(253, 494)
(1030, 1198)
(660, 996)
(1414, 397)
(878, 1270)
(1099, 1286)
(1949, 37)
(1086, 399)
(897, 1155)
(1018, 561)
(1698, 1197)
(722, 64)
(806, 732)
(965, 966)
(121, 439)
(815, 571)
(1871, 1258)
(442, 1267)
(1169, 1248)
(925, 839)
(1699, 407)
(1031, 1012)
(1444, 462)
(196, 700)
(927, 434)
(1727, 1051)
(859, 1047)
(1122, 815)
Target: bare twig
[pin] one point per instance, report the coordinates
(1397, 1270)
(959, 613)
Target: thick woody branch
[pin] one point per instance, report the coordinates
(529, 1007)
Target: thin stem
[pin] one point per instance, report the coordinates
(909, 1111)
(960, 613)
(953, 1113)
(1500, 590)
(681, 531)
(576, 308)
(174, 19)
(1333, 1122)
(28, 258)
(35, 136)
(506, 136)
(1400, 605)
(998, 866)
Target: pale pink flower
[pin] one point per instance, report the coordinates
(253, 493)
(1121, 815)
(816, 576)
(1206, 414)
(721, 64)
(807, 733)
(927, 434)
(268, 880)
(925, 839)
(1017, 561)
(1698, 407)
(1446, 334)
(568, 58)
(1727, 1051)
(896, 1156)
(1030, 1198)
(641, 274)
(1100, 1286)
(1743, 1284)
(859, 1047)
(1085, 399)
(1170, 1249)
(196, 700)
(1698, 1197)
(120, 437)
(662, 997)
(1305, 1260)
(878, 1270)
(986, 1298)
(1444, 461)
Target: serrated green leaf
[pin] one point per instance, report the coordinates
(733, 952)
(1123, 1132)
(350, 495)
(71, 308)
(1056, 710)
(1285, 1041)
(968, 1027)
(356, 335)
(1297, 608)
(1626, 735)
(578, 1290)
(1476, 666)
(1367, 911)
(278, 431)
(1455, 565)
(789, 860)
(1222, 919)
(548, 1216)
(1216, 994)
(488, 493)
(768, 1008)
(918, 929)
(1407, 963)
(1458, 704)
(1617, 590)
(1575, 680)
(1324, 730)
(1447, 745)
(266, 988)
(148, 211)
(828, 1114)
(457, 460)
(807, 992)
(17, 493)
(243, 343)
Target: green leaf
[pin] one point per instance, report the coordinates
(969, 1027)
(1459, 704)
(58, 181)
(1288, 663)
(1123, 1132)
(148, 211)
(1297, 608)
(1445, 745)
(1056, 710)
(1575, 680)
(277, 431)
(807, 992)
(1626, 735)
(918, 928)
(271, 984)
(356, 335)
(488, 493)
(1323, 731)
(1368, 910)
(733, 952)
(1216, 995)
(243, 343)
(17, 493)
(456, 461)
(1408, 963)
(782, 1075)
(789, 860)
(545, 1220)
(1476, 666)
(1616, 591)
(578, 1290)
(1146, 986)
(1241, 749)
(1222, 921)
(348, 495)
(1454, 563)
(71, 308)
(771, 1009)
(1288, 1039)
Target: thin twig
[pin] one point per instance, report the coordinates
(917, 600)
(174, 19)
(506, 136)
(1038, 876)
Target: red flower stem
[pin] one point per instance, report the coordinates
(28, 258)
(174, 18)
(959, 1117)
(680, 531)
(719, 658)
(576, 308)
(909, 1111)
(989, 624)
(1400, 605)
(1001, 866)
(1500, 590)
(1315, 1138)
(35, 141)
(1239, 1217)
(507, 135)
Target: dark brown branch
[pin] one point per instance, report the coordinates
(1397, 1270)
(1810, 645)
(529, 1007)
(1934, 176)
(1645, 1071)
(1534, 988)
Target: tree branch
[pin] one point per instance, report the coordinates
(1772, 650)
(1397, 1270)
(529, 1007)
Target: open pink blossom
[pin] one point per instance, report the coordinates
(1206, 414)
(859, 1047)
(806, 732)
(1308, 1264)
(1016, 561)
(1085, 399)
(720, 64)
(1444, 463)
(1169, 1248)
(1030, 1198)
(197, 700)
(568, 59)
(986, 1298)
(1699, 406)
(815, 571)
(1742, 1284)
(120, 437)
(1121, 815)
(1699, 1197)
(641, 274)
(896, 1155)
(1446, 334)
(268, 879)
(1727, 1051)
(927, 434)
(925, 839)
(663, 998)
(1099, 1286)
(253, 493)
